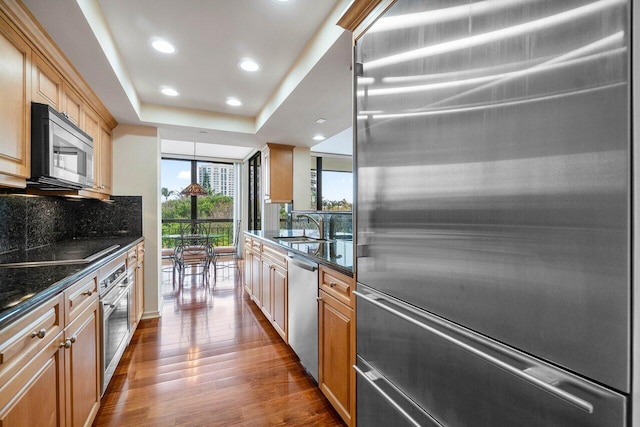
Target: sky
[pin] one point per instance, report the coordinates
(175, 175)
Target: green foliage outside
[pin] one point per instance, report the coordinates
(216, 206)
(336, 205)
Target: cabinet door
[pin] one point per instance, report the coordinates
(266, 298)
(266, 167)
(46, 85)
(15, 110)
(246, 277)
(139, 291)
(91, 125)
(83, 368)
(72, 105)
(35, 395)
(279, 286)
(105, 154)
(335, 358)
(256, 277)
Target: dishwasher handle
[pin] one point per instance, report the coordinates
(302, 263)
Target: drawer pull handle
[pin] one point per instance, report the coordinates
(379, 301)
(332, 284)
(73, 338)
(40, 334)
(66, 344)
(87, 293)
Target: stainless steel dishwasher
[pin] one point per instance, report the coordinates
(303, 311)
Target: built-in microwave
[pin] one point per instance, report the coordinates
(61, 153)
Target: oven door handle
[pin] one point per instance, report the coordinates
(109, 305)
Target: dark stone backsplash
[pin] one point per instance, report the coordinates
(29, 222)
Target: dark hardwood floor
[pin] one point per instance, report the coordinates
(211, 360)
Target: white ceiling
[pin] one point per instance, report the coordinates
(305, 65)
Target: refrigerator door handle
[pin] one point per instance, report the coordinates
(372, 376)
(522, 374)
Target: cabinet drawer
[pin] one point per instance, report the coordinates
(337, 285)
(23, 339)
(256, 245)
(79, 296)
(247, 241)
(275, 255)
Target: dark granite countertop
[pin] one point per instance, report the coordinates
(336, 253)
(23, 288)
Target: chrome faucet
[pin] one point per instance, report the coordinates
(318, 222)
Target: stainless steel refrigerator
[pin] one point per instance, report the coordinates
(494, 214)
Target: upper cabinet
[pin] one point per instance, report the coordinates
(46, 84)
(15, 121)
(72, 105)
(32, 68)
(277, 164)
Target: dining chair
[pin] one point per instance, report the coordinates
(194, 252)
(227, 256)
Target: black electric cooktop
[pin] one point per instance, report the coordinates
(77, 251)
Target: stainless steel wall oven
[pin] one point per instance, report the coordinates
(115, 306)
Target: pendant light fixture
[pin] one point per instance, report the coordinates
(194, 189)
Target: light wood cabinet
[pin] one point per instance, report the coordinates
(72, 105)
(256, 277)
(266, 301)
(50, 376)
(274, 288)
(15, 111)
(139, 289)
(277, 164)
(82, 367)
(33, 69)
(246, 277)
(105, 161)
(46, 83)
(35, 396)
(336, 342)
(266, 281)
(279, 280)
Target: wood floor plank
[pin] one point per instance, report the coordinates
(211, 360)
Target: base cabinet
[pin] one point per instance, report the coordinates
(60, 384)
(246, 277)
(280, 288)
(335, 324)
(256, 278)
(82, 367)
(337, 342)
(35, 397)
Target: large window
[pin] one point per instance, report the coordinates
(218, 179)
(332, 184)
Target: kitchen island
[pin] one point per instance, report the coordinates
(319, 305)
(336, 253)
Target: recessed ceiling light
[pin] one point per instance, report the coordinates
(248, 64)
(234, 102)
(319, 138)
(321, 121)
(169, 91)
(161, 45)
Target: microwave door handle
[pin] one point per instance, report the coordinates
(522, 374)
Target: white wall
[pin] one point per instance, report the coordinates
(136, 172)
